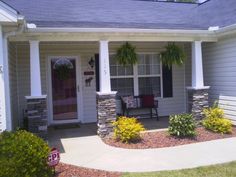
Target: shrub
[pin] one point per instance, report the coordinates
(23, 154)
(127, 129)
(215, 121)
(182, 125)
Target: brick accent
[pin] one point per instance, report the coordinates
(106, 113)
(197, 101)
(37, 116)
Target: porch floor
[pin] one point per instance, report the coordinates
(82, 147)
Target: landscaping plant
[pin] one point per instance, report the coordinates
(23, 154)
(182, 125)
(126, 55)
(127, 129)
(215, 120)
(173, 54)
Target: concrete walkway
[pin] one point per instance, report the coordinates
(80, 147)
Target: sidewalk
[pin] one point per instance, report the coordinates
(91, 152)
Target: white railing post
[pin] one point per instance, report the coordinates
(197, 68)
(35, 77)
(104, 68)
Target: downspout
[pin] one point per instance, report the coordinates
(6, 73)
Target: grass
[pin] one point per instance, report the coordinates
(222, 170)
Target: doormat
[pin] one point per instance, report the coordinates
(67, 126)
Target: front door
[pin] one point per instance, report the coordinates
(64, 90)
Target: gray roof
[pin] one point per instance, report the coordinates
(126, 13)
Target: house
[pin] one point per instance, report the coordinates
(38, 37)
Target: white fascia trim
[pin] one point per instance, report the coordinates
(119, 30)
(7, 7)
(10, 13)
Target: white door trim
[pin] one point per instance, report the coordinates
(79, 92)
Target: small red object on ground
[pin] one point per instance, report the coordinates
(54, 157)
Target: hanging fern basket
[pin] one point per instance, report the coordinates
(173, 54)
(126, 55)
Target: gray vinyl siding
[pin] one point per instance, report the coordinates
(188, 65)
(13, 84)
(85, 51)
(220, 74)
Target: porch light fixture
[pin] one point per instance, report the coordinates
(91, 62)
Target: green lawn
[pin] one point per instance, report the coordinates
(223, 170)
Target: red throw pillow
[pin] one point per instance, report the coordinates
(148, 101)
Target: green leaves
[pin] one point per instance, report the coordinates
(172, 55)
(126, 55)
(215, 121)
(182, 125)
(23, 154)
(127, 129)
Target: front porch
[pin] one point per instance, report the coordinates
(32, 65)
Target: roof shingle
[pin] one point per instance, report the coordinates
(126, 13)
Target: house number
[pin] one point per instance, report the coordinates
(1, 69)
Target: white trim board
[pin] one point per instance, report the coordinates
(7, 13)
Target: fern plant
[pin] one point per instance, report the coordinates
(126, 55)
(173, 54)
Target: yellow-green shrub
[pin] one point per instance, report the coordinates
(127, 129)
(215, 121)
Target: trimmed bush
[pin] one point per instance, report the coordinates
(215, 121)
(127, 129)
(182, 125)
(23, 154)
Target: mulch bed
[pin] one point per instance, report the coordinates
(64, 170)
(162, 139)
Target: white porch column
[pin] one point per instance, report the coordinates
(197, 69)
(35, 77)
(3, 117)
(197, 93)
(36, 102)
(106, 99)
(104, 68)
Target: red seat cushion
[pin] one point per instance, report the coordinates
(148, 101)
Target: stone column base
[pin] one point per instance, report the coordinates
(37, 115)
(197, 101)
(106, 113)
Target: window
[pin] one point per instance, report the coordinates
(121, 78)
(149, 75)
(147, 79)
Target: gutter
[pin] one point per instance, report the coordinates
(114, 30)
(114, 34)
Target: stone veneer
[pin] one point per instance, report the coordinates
(197, 101)
(37, 115)
(106, 113)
